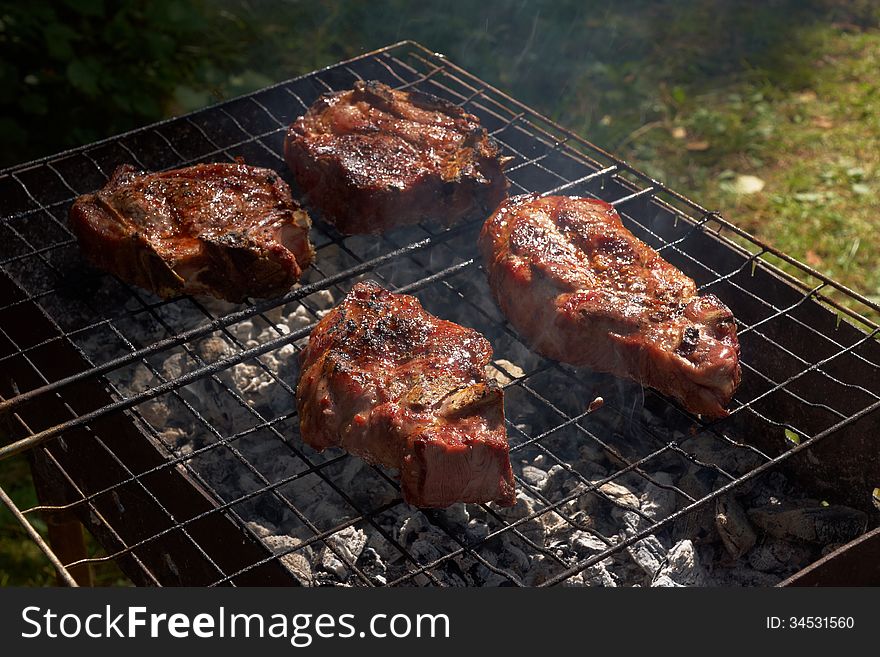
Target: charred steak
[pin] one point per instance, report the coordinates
(373, 158)
(229, 230)
(387, 381)
(583, 290)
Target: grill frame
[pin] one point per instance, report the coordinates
(634, 193)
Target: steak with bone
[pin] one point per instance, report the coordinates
(584, 290)
(228, 230)
(372, 158)
(389, 382)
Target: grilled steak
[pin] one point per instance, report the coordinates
(387, 381)
(373, 158)
(228, 230)
(582, 289)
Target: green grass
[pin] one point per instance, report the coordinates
(816, 149)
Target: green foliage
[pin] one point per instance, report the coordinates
(78, 70)
(21, 561)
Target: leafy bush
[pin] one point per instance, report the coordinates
(77, 70)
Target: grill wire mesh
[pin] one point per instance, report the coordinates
(807, 375)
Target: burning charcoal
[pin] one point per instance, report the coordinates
(620, 495)
(297, 564)
(563, 549)
(490, 578)
(534, 476)
(575, 581)
(213, 348)
(213, 305)
(179, 440)
(813, 524)
(698, 481)
(734, 527)
(454, 572)
(664, 581)
(586, 544)
(683, 566)
(423, 540)
(349, 542)
(261, 529)
(525, 506)
(456, 515)
(477, 530)
(251, 380)
(242, 330)
(592, 462)
(542, 569)
(275, 315)
(710, 449)
(611, 498)
(155, 412)
(363, 484)
(141, 378)
(657, 502)
(330, 563)
(513, 555)
(779, 557)
(558, 482)
(698, 525)
(629, 522)
(599, 575)
(322, 299)
(556, 528)
(503, 371)
(649, 554)
(411, 527)
(300, 318)
(270, 509)
(372, 565)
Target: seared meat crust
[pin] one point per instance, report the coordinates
(373, 158)
(387, 381)
(584, 290)
(229, 230)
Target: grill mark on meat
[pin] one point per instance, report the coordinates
(229, 230)
(391, 383)
(582, 289)
(372, 158)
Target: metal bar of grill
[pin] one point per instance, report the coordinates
(807, 389)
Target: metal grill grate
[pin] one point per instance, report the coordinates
(808, 375)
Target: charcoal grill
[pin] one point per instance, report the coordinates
(809, 405)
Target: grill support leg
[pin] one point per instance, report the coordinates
(66, 536)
